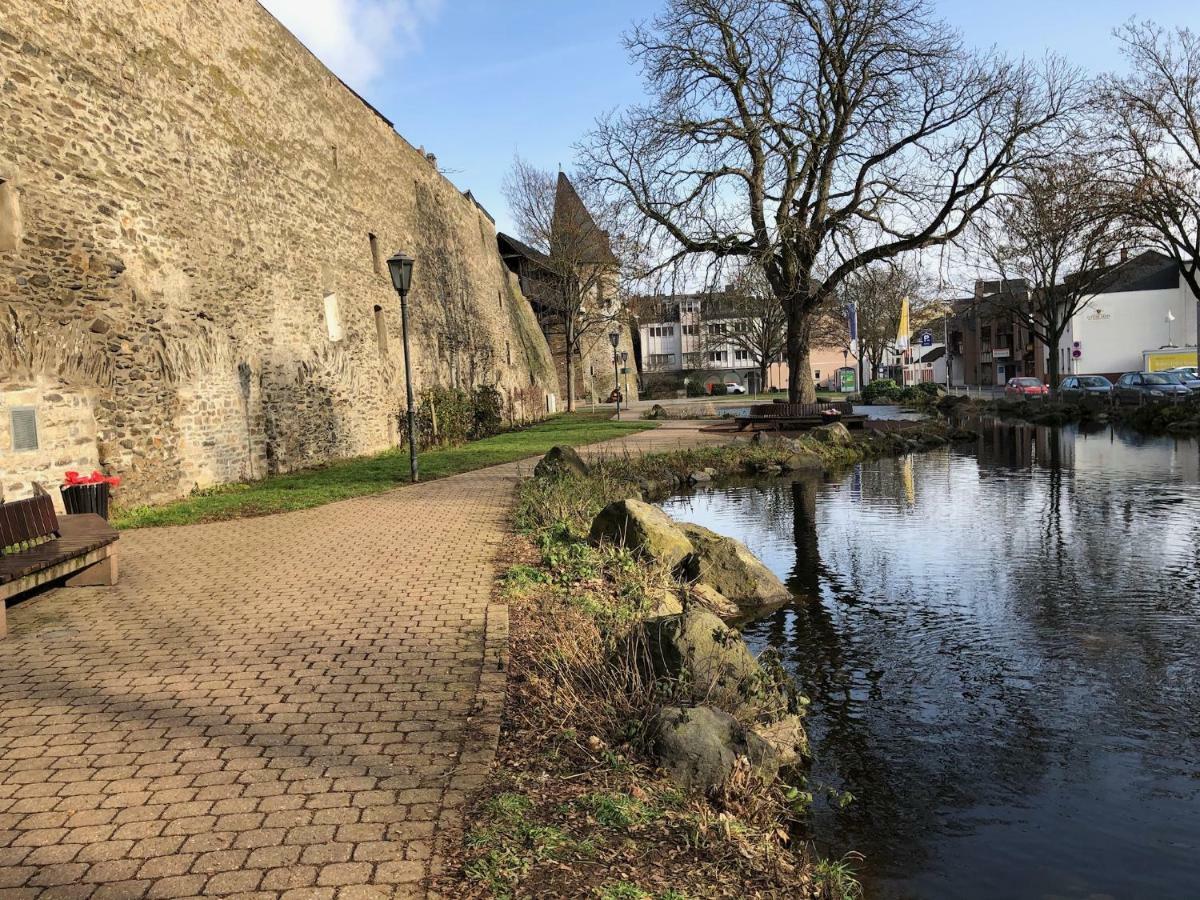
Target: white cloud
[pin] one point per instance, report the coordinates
(356, 38)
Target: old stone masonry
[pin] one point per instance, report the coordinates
(195, 217)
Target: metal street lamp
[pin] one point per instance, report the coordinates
(625, 370)
(400, 267)
(614, 338)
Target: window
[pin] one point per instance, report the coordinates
(716, 328)
(816, 374)
(375, 260)
(717, 356)
(691, 329)
(381, 334)
(333, 318)
(662, 360)
(24, 428)
(694, 360)
(662, 331)
(741, 355)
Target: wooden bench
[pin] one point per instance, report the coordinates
(37, 546)
(798, 416)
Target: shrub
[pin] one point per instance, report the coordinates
(882, 390)
(695, 388)
(451, 416)
(487, 412)
(719, 389)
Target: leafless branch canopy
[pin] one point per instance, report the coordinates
(816, 133)
(1154, 119)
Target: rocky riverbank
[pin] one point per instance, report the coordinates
(646, 752)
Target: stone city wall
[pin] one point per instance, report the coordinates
(194, 218)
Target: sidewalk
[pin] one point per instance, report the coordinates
(287, 706)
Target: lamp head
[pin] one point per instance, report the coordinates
(400, 267)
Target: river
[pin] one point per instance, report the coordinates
(1001, 643)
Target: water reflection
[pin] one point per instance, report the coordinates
(1001, 647)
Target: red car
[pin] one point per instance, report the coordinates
(1026, 388)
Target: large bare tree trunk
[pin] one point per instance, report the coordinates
(570, 356)
(800, 384)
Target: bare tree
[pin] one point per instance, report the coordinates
(1154, 113)
(1059, 233)
(578, 269)
(816, 135)
(759, 324)
(878, 292)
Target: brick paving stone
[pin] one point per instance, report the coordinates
(278, 707)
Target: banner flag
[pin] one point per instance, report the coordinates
(905, 327)
(852, 319)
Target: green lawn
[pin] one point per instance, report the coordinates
(373, 474)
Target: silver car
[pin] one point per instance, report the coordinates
(1187, 375)
(1140, 387)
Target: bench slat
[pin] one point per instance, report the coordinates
(80, 536)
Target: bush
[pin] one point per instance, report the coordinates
(447, 417)
(695, 388)
(882, 390)
(487, 411)
(719, 389)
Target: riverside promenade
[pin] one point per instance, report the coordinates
(280, 707)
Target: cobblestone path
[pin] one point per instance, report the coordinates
(286, 706)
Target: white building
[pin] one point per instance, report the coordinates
(683, 338)
(691, 335)
(1131, 316)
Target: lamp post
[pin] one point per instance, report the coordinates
(400, 267)
(614, 338)
(625, 370)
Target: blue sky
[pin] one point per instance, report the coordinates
(476, 81)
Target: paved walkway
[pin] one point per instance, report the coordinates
(278, 707)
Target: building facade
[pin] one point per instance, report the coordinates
(595, 372)
(693, 336)
(195, 216)
(1148, 306)
(1144, 306)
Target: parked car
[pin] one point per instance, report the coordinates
(1025, 388)
(1079, 387)
(1142, 387)
(1185, 376)
(732, 387)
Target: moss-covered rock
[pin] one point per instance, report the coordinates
(728, 567)
(834, 433)
(700, 649)
(560, 460)
(714, 601)
(700, 747)
(641, 527)
(788, 739)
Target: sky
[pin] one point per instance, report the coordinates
(479, 81)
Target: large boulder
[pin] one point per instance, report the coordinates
(714, 601)
(558, 461)
(729, 568)
(700, 747)
(788, 739)
(642, 527)
(835, 434)
(709, 661)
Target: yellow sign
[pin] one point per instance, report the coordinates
(1161, 360)
(905, 327)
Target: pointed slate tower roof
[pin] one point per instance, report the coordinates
(575, 230)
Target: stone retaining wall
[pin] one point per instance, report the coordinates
(194, 218)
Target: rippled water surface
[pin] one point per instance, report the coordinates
(1002, 646)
